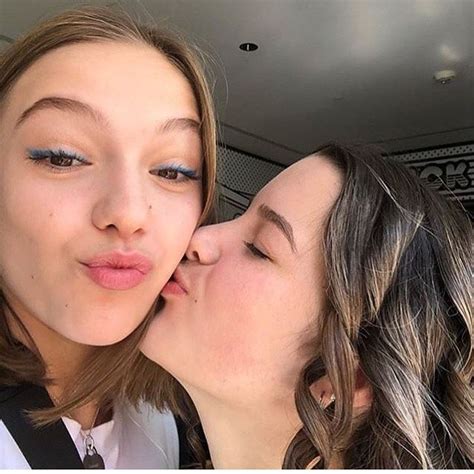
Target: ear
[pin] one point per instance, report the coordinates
(322, 390)
(363, 394)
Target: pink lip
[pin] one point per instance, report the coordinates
(176, 285)
(118, 270)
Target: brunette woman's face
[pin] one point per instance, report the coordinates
(253, 288)
(100, 188)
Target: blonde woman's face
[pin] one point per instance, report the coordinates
(100, 189)
(253, 288)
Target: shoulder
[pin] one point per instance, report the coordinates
(159, 428)
(10, 455)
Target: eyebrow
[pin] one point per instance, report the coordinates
(280, 222)
(78, 107)
(182, 124)
(65, 104)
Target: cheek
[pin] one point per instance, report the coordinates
(41, 229)
(172, 223)
(41, 218)
(251, 324)
(34, 219)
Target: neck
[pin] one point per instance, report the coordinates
(247, 437)
(62, 357)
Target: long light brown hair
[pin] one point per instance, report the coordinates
(106, 370)
(399, 310)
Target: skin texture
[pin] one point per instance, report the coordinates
(236, 339)
(53, 221)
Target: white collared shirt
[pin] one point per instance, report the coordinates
(133, 439)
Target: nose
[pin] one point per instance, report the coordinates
(204, 247)
(123, 207)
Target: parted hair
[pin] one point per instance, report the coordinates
(398, 310)
(105, 372)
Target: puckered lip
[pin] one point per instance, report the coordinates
(119, 259)
(179, 279)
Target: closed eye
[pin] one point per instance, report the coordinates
(255, 251)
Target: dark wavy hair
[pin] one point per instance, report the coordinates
(398, 264)
(398, 310)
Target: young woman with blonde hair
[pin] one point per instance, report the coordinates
(329, 326)
(107, 166)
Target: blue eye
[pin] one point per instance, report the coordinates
(255, 251)
(59, 160)
(176, 173)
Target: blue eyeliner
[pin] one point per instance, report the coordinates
(38, 154)
(188, 172)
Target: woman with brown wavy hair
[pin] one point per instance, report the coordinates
(330, 325)
(108, 164)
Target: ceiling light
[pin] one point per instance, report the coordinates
(445, 76)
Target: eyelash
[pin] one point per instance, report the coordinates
(41, 157)
(255, 251)
(187, 174)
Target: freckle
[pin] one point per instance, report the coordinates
(32, 277)
(66, 305)
(150, 207)
(50, 214)
(195, 301)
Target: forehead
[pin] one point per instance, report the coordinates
(304, 192)
(111, 74)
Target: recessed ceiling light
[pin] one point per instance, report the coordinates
(248, 47)
(445, 76)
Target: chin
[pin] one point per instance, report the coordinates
(161, 339)
(97, 340)
(96, 331)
